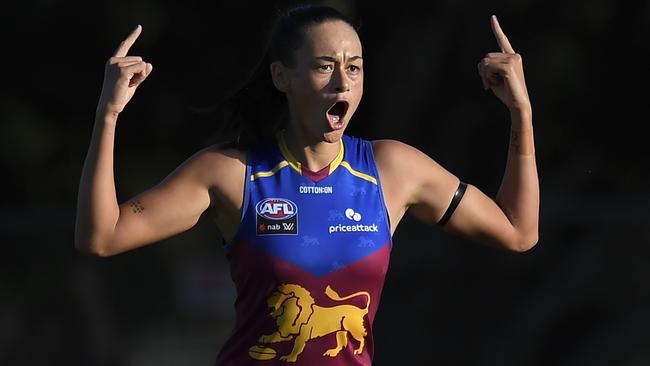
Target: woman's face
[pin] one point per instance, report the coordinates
(325, 86)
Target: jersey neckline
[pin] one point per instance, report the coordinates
(297, 166)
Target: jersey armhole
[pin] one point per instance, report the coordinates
(227, 246)
(375, 171)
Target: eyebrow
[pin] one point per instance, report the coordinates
(332, 59)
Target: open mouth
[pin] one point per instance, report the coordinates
(336, 113)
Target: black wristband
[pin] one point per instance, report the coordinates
(460, 191)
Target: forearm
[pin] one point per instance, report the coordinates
(97, 206)
(518, 195)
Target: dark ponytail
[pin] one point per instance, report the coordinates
(257, 110)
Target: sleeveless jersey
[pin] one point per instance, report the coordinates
(308, 261)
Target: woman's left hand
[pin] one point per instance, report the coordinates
(503, 73)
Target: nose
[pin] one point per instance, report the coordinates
(340, 81)
(343, 88)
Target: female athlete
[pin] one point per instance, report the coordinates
(307, 212)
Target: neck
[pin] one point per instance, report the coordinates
(313, 154)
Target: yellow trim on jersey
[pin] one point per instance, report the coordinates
(295, 164)
(338, 159)
(357, 173)
(269, 173)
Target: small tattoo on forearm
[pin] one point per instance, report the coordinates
(521, 142)
(137, 207)
(515, 139)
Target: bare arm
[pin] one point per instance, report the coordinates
(104, 227)
(174, 205)
(412, 181)
(511, 220)
(97, 207)
(518, 196)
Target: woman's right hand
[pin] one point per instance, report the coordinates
(122, 76)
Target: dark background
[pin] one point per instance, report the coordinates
(580, 297)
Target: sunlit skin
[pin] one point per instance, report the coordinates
(214, 178)
(329, 67)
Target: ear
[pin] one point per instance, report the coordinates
(280, 76)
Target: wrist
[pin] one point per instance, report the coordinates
(105, 123)
(106, 116)
(522, 118)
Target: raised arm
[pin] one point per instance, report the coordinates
(412, 181)
(518, 196)
(103, 227)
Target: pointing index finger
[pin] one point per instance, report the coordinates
(124, 47)
(502, 40)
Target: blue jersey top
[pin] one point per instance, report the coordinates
(309, 260)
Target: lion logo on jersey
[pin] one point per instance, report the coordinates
(299, 319)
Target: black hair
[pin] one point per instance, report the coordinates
(257, 110)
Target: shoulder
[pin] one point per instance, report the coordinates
(394, 153)
(217, 153)
(215, 165)
(389, 145)
(408, 166)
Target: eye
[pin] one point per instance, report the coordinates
(325, 68)
(354, 69)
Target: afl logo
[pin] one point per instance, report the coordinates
(276, 209)
(276, 216)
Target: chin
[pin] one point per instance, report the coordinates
(333, 136)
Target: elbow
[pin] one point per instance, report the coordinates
(96, 252)
(526, 243)
(92, 247)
